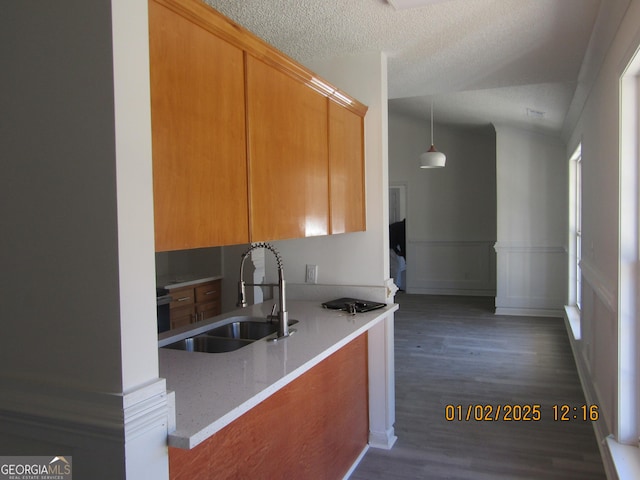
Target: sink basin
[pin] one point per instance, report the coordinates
(205, 343)
(229, 337)
(248, 330)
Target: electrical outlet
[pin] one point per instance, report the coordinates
(312, 274)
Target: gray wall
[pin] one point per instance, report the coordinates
(532, 172)
(78, 350)
(607, 346)
(451, 212)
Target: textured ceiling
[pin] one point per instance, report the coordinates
(480, 61)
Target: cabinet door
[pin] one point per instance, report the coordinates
(182, 308)
(182, 316)
(208, 300)
(198, 135)
(207, 310)
(346, 167)
(288, 155)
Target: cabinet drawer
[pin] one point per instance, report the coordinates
(208, 292)
(182, 297)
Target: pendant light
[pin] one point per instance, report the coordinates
(432, 158)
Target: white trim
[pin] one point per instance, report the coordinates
(356, 463)
(381, 362)
(626, 459)
(628, 398)
(530, 312)
(467, 292)
(105, 415)
(592, 398)
(572, 317)
(526, 248)
(384, 440)
(600, 285)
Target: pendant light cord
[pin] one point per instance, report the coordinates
(431, 122)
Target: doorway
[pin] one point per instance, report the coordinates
(397, 234)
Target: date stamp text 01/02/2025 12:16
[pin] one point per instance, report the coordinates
(519, 413)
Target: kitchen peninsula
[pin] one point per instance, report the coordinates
(311, 387)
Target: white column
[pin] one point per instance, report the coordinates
(382, 402)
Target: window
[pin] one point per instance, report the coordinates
(578, 232)
(575, 226)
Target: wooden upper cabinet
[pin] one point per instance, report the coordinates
(198, 134)
(346, 167)
(288, 155)
(248, 145)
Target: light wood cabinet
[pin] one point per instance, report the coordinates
(194, 303)
(288, 155)
(182, 307)
(208, 300)
(248, 145)
(198, 134)
(346, 167)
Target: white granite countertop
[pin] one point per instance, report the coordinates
(173, 281)
(214, 389)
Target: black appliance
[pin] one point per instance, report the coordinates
(353, 305)
(163, 300)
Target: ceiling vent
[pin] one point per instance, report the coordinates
(531, 113)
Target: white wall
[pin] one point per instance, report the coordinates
(532, 180)
(78, 351)
(451, 218)
(351, 263)
(601, 364)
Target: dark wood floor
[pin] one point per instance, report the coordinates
(456, 351)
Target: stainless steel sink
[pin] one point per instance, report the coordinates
(205, 343)
(247, 330)
(229, 337)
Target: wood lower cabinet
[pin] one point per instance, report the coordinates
(313, 428)
(198, 134)
(346, 170)
(194, 303)
(208, 300)
(288, 155)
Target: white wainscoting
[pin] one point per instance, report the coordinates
(596, 356)
(531, 280)
(451, 267)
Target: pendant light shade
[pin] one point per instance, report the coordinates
(432, 158)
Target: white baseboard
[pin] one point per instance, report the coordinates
(464, 292)
(530, 312)
(356, 463)
(384, 440)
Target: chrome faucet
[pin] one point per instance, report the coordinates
(283, 315)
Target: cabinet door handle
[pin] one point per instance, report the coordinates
(211, 292)
(183, 299)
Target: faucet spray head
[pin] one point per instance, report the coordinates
(242, 302)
